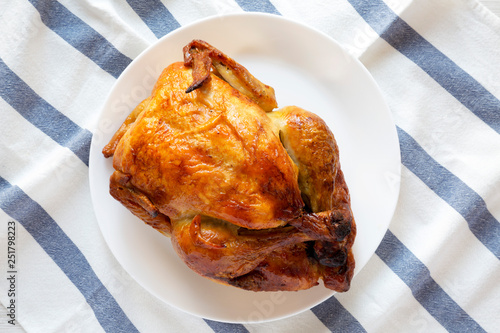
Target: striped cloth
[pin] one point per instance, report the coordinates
(437, 63)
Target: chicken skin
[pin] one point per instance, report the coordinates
(251, 197)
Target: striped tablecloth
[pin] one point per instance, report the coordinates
(438, 66)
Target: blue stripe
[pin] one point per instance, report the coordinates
(258, 6)
(443, 70)
(66, 255)
(452, 190)
(219, 327)
(81, 36)
(425, 290)
(156, 16)
(43, 115)
(334, 316)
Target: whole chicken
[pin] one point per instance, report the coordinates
(251, 197)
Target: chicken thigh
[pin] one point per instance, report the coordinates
(250, 197)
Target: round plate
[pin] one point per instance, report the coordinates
(306, 68)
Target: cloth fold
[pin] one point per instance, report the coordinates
(437, 64)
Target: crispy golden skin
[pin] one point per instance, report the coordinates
(250, 198)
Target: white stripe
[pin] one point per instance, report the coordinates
(455, 137)
(398, 6)
(303, 322)
(190, 11)
(434, 233)
(382, 302)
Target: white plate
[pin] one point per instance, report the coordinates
(307, 69)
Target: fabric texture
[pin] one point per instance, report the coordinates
(437, 64)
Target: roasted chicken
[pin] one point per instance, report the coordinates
(251, 197)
